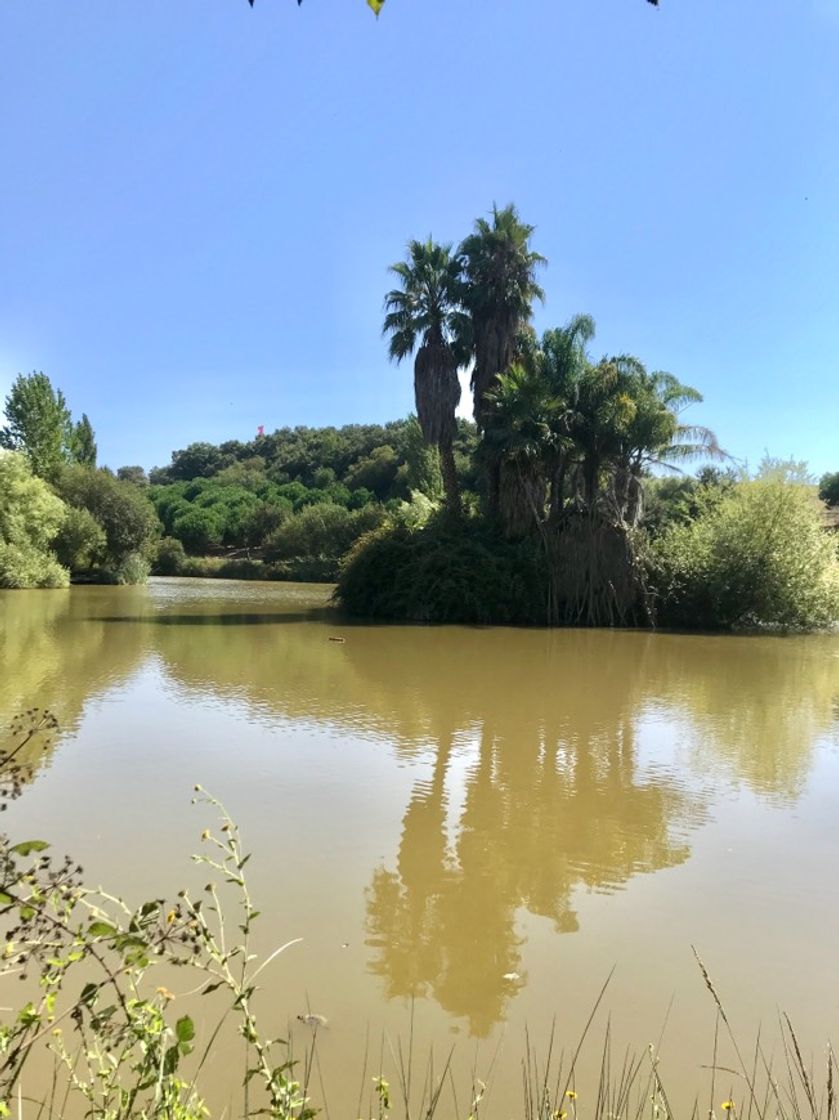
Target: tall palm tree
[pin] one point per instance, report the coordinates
(521, 429)
(499, 272)
(563, 360)
(605, 408)
(424, 314)
(655, 437)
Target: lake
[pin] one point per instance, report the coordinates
(468, 828)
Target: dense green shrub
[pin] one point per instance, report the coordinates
(447, 571)
(133, 568)
(169, 558)
(757, 555)
(264, 520)
(30, 517)
(199, 530)
(377, 472)
(81, 542)
(22, 567)
(321, 531)
(829, 488)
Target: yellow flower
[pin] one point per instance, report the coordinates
(559, 1114)
(205, 835)
(728, 1106)
(165, 993)
(570, 1094)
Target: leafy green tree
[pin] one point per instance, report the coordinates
(30, 517)
(133, 474)
(422, 463)
(829, 488)
(199, 460)
(265, 519)
(424, 315)
(169, 557)
(38, 423)
(377, 472)
(499, 287)
(80, 542)
(199, 530)
(83, 443)
(786, 470)
(321, 531)
(123, 511)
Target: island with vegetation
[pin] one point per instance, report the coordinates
(565, 502)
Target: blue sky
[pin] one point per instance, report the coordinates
(199, 201)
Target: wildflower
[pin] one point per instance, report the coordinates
(170, 917)
(727, 1106)
(164, 993)
(56, 1031)
(571, 1094)
(559, 1114)
(205, 835)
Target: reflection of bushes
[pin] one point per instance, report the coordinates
(52, 651)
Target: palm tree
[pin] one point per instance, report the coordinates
(605, 407)
(563, 360)
(522, 424)
(654, 437)
(499, 272)
(424, 314)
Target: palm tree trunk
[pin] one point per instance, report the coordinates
(557, 487)
(449, 473)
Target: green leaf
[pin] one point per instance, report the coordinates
(185, 1029)
(28, 1015)
(211, 987)
(101, 929)
(89, 993)
(5, 899)
(27, 847)
(376, 5)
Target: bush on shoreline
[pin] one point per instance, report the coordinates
(756, 555)
(30, 517)
(446, 571)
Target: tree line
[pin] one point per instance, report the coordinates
(566, 500)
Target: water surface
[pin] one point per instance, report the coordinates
(467, 827)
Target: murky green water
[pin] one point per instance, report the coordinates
(474, 823)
